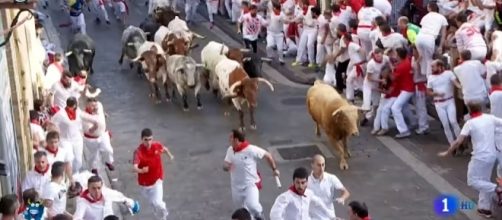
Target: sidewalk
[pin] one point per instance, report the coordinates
(52, 35)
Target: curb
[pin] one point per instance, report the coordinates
(52, 35)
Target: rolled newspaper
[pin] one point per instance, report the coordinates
(278, 182)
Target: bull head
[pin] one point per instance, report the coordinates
(347, 116)
(248, 88)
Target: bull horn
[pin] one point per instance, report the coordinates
(245, 50)
(266, 59)
(92, 95)
(232, 88)
(68, 53)
(246, 59)
(260, 79)
(130, 44)
(136, 59)
(198, 35)
(87, 51)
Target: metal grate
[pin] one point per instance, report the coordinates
(299, 152)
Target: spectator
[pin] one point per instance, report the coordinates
(240, 214)
(358, 211)
(32, 206)
(9, 206)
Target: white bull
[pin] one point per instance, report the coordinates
(182, 71)
(180, 28)
(161, 34)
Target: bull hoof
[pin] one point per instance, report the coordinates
(253, 127)
(344, 165)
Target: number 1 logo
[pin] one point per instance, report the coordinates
(446, 205)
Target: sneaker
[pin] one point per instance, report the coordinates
(422, 132)
(295, 63)
(485, 213)
(382, 132)
(374, 132)
(403, 135)
(312, 65)
(95, 171)
(110, 166)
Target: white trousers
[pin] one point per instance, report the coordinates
(78, 23)
(426, 45)
(330, 74)
(275, 39)
(371, 98)
(397, 110)
(364, 36)
(100, 10)
(479, 174)
(75, 147)
(322, 51)
(307, 41)
(383, 112)
(421, 110)
(447, 114)
(248, 198)
(212, 8)
(191, 10)
(99, 145)
(155, 196)
(353, 82)
(235, 10)
(478, 53)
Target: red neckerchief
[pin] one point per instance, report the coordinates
(241, 146)
(35, 121)
(43, 172)
(366, 218)
(55, 152)
(495, 88)
(305, 10)
(293, 189)
(282, 1)
(354, 30)
(72, 114)
(87, 196)
(277, 12)
(475, 114)
(343, 6)
(359, 70)
(80, 80)
(385, 35)
(88, 110)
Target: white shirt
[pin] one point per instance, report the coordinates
(52, 76)
(393, 40)
(71, 129)
(98, 210)
(469, 73)
(496, 103)
(383, 6)
(101, 122)
(63, 154)
(353, 51)
(276, 23)
(38, 131)
(251, 27)
(482, 132)
(56, 192)
(375, 34)
(61, 94)
(442, 83)
(326, 189)
(36, 180)
(366, 15)
(290, 206)
(345, 15)
(374, 70)
(468, 37)
(308, 21)
(432, 23)
(243, 172)
(489, 12)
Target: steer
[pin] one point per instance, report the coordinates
(335, 116)
(132, 39)
(80, 53)
(182, 70)
(235, 84)
(150, 27)
(153, 61)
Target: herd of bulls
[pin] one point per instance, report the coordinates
(160, 48)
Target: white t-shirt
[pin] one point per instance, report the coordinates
(56, 192)
(442, 83)
(366, 15)
(496, 103)
(36, 180)
(61, 94)
(482, 132)
(383, 6)
(63, 154)
(38, 131)
(489, 12)
(374, 70)
(432, 23)
(251, 27)
(327, 190)
(52, 76)
(353, 51)
(71, 129)
(243, 172)
(290, 206)
(345, 15)
(393, 40)
(468, 37)
(276, 23)
(469, 73)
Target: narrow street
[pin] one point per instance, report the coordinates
(396, 179)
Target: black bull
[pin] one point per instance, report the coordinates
(80, 54)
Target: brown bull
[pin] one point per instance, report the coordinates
(153, 62)
(335, 116)
(173, 44)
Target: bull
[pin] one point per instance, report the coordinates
(150, 27)
(180, 28)
(153, 61)
(170, 42)
(164, 15)
(80, 54)
(335, 116)
(237, 86)
(132, 39)
(182, 71)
